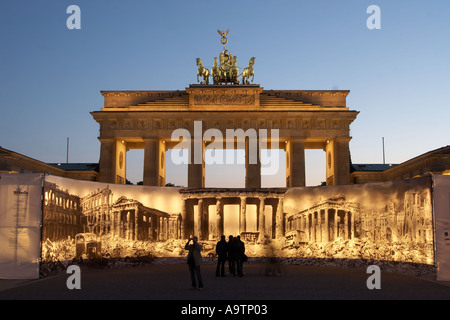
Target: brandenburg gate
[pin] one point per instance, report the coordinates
(146, 119)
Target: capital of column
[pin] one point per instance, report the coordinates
(340, 139)
(150, 139)
(296, 139)
(105, 140)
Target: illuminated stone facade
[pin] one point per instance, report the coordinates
(201, 225)
(127, 218)
(62, 213)
(324, 222)
(131, 220)
(339, 219)
(97, 210)
(306, 119)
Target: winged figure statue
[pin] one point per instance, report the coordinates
(223, 33)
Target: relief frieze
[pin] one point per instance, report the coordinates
(173, 124)
(224, 99)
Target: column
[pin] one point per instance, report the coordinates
(296, 163)
(219, 216)
(204, 217)
(279, 229)
(198, 225)
(107, 163)
(243, 215)
(327, 227)
(113, 224)
(261, 221)
(160, 229)
(352, 225)
(136, 225)
(252, 164)
(346, 225)
(183, 234)
(196, 167)
(336, 223)
(338, 161)
(313, 227)
(342, 158)
(151, 172)
(166, 227)
(128, 236)
(307, 230)
(319, 226)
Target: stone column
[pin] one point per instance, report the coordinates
(204, 217)
(307, 229)
(160, 229)
(346, 225)
(313, 227)
(338, 161)
(196, 167)
(128, 236)
(252, 164)
(219, 216)
(166, 228)
(136, 225)
(261, 221)
(352, 225)
(327, 227)
(296, 163)
(183, 221)
(336, 224)
(107, 163)
(151, 164)
(319, 225)
(243, 215)
(342, 158)
(280, 228)
(198, 225)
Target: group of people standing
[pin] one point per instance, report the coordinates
(232, 251)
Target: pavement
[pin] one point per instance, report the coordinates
(171, 282)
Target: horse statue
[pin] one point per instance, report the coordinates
(203, 72)
(215, 72)
(248, 72)
(234, 71)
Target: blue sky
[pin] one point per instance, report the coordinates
(51, 77)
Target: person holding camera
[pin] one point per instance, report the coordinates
(194, 259)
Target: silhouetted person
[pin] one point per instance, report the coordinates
(231, 256)
(222, 252)
(194, 259)
(239, 250)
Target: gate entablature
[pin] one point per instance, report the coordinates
(247, 97)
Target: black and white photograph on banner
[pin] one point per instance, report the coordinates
(224, 159)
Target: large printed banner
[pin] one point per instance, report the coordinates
(441, 193)
(389, 221)
(386, 221)
(20, 231)
(84, 219)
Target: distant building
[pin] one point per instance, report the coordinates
(96, 208)
(14, 162)
(61, 213)
(433, 162)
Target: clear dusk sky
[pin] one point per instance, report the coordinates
(51, 76)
